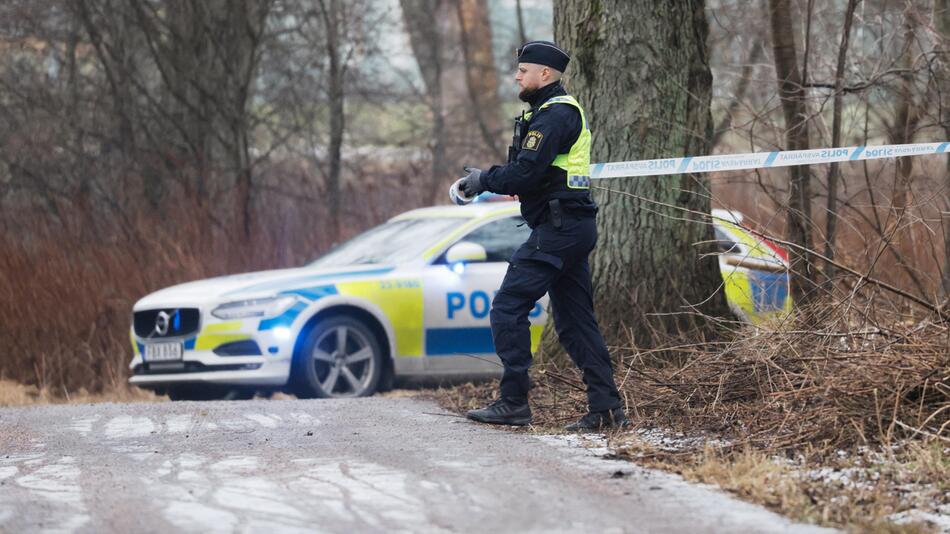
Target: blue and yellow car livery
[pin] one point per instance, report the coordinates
(754, 270)
(410, 297)
(401, 297)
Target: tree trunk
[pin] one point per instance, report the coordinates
(184, 54)
(332, 21)
(480, 72)
(640, 69)
(519, 13)
(905, 120)
(834, 171)
(942, 22)
(74, 117)
(792, 95)
(902, 130)
(426, 42)
(240, 43)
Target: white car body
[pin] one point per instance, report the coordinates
(431, 318)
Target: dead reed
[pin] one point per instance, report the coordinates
(69, 278)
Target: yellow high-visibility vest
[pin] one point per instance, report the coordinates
(576, 162)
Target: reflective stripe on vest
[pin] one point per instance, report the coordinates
(577, 160)
(578, 182)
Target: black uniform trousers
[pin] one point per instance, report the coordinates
(553, 260)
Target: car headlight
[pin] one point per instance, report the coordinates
(261, 308)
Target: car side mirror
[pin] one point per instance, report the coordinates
(466, 252)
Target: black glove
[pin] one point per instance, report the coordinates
(472, 182)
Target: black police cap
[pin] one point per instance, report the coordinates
(543, 53)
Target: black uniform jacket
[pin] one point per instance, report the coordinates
(549, 132)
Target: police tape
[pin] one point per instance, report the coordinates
(760, 160)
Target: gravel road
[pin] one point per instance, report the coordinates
(362, 465)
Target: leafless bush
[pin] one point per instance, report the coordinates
(868, 376)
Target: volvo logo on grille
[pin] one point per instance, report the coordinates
(161, 323)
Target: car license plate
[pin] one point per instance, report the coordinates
(163, 352)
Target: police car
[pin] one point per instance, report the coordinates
(754, 270)
(410, 297)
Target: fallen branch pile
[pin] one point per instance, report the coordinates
(778, 388)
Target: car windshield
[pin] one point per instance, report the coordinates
(391, 243)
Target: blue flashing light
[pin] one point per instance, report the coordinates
(458, 268)
(176, 320)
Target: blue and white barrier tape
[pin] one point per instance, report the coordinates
(760, 160)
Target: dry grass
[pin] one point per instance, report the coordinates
(856, 503)
(857, 491)
(752, 476)
(16, 394)
(69, 279)
(777, 413)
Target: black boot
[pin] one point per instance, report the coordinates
(597, 421)
(503, 412)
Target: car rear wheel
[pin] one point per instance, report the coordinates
(340, 358)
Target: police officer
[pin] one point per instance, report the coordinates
(548, 169)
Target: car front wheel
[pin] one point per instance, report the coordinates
(340, 358)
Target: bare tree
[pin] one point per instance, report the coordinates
(742, 86)
(834, 171)
(906, 116)
(519, 13)
(332, 21)
(206, 56)
(792, 94)
(942, 23)
(427, 47)
(480, 74)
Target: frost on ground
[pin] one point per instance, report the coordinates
(854, 475)
(940, 519)
(844, 479)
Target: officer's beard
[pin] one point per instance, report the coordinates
(526, 95)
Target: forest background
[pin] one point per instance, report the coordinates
(147, 143)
